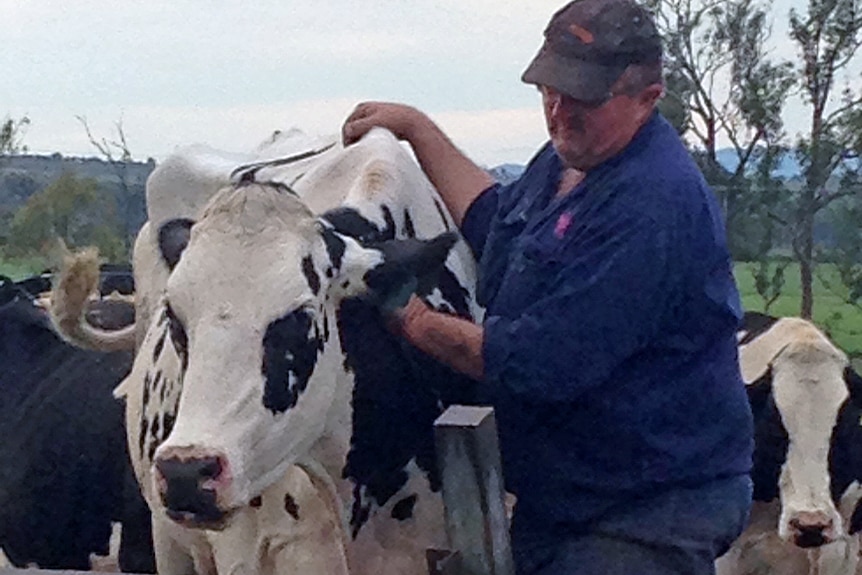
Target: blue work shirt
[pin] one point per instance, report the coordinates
(609, 337)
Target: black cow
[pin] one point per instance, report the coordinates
(64, 469)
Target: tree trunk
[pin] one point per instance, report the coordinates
(805, 255)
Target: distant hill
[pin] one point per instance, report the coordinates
(22, 176)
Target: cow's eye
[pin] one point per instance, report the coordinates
(290, 348)
(179, 338)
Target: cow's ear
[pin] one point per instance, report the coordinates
(173, 238)
(407, 264)
(854, 384)
(759, 390)
(384, 270)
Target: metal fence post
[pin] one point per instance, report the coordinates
(468, 457)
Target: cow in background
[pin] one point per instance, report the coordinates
(807, 404)
(65, 474)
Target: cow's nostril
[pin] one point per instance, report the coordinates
(210, 467)
(186, 488)
(810, 531)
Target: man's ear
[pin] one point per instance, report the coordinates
(173, 238)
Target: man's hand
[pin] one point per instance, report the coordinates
(399, 119)
(400, 319)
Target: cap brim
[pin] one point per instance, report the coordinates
(580, 79)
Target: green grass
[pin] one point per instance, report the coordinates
(842, 321)
(20, 268)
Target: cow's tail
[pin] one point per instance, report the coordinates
(78, 279)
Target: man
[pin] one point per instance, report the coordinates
(608, 347)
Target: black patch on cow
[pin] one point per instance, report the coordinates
(291, 506)
(290, 349)
(147, 381)
(173, 238)
(442, 215)
(335, 249)
(179, 338)
(396, 387)
(845, 450)
(325, 326)
(455, 296)
(409, 228)
(256, 502)
(759, 391)
(770, 451)
(349, 222)
(770, 438)
(168, 421)
(854, 385)
(311, 274)
(755, 324)
(157, 350)
(143, 434)
(403, 510)
(856, 520)
(388, 231)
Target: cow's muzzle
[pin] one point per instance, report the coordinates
(811, 529)
(189, 489)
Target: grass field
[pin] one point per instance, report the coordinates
(20, 268)
(842, 321)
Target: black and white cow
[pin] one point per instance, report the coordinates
(807, 404)
(65, 475)
(267, 360)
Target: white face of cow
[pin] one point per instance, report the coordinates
(809, 390)
(803, 416)
(252, 301)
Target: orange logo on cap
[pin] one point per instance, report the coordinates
(582, 33)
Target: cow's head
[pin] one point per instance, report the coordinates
(251, 304)
(806, 403)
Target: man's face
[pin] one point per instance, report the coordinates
(585, 134)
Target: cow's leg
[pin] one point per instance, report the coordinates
(838, 558)
(312, 538)
(172, 558)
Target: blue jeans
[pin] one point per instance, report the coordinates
(680, 532)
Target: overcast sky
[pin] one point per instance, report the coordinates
(229, 73)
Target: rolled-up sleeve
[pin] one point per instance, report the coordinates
(602, 305)
(477, 220)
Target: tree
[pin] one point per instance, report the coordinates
(722, 85)
(12, 134)
(828, 38)
(116, 152)
(72, 209)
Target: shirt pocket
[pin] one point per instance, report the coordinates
(529, 277)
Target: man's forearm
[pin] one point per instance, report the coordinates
(451, 340)
(457, 178)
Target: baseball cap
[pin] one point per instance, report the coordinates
(589, 44)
